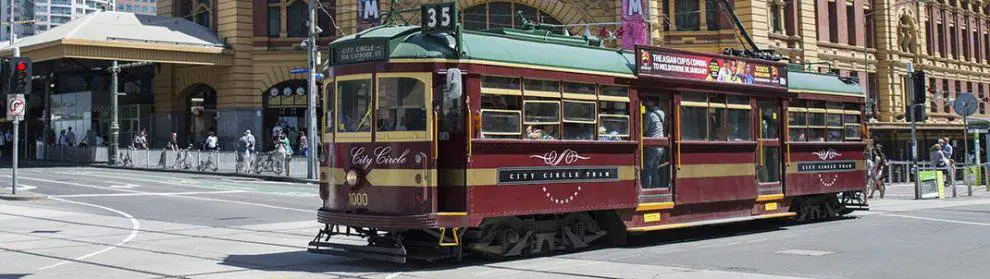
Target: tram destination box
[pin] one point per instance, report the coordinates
(677, 64)
(360, 51)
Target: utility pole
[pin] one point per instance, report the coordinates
(312, 51)
(114, 125)
(17, 122)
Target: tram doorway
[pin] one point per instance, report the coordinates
(656, 181)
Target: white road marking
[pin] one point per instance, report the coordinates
(148, 194)
(135, 227)
(937, 220)
(801, 252)
(125, 186)
(393, 275)
(177, 196)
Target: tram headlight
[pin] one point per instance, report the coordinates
(352, 178)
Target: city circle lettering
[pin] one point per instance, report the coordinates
(382, 155)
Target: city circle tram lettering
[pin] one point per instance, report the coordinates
(540, 175)
(826, 166)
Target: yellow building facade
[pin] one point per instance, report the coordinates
(872, 40)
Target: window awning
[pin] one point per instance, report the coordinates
(126, 37)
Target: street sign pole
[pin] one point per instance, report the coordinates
(15, 111)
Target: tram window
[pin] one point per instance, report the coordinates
(616, 126)
(717, 118)
(503, 102)
(797, 119)
(401, 104)
(614, 120)
(694, 116)
(502, 124)
(769, 169)
(542, 85)
(354, 101)
(738, 113)
(739, 125)
(852, 130)
(617, 91)
(769, 120)
(655, 115)
(541, 118)
(579, 120)
(500, 85)
(579, 88)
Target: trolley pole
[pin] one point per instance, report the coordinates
(311, 163)
(914, 132)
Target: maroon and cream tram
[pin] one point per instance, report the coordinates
(518, 142)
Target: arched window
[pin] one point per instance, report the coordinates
(494, 15)
(202, 13)
(295, 19)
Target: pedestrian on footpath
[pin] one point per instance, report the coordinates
(62, 140)
(245, 147)
(211, 142)
(303, 144)
(173, 142)
(70, 137)
(878, 172)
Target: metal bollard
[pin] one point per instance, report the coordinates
(199, 161)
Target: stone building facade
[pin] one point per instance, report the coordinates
(871, 40)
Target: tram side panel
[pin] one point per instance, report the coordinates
(818, 168)
(512, 178)
(716, 172)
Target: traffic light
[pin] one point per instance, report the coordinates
(919, 113)
(920, 93)
(17, 75)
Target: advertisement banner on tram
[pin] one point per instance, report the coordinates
(670, 64)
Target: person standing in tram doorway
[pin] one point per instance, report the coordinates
(654, 129)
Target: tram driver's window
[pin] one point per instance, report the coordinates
(354, 105)
(401, 104)
(655, 115)
(542, 119)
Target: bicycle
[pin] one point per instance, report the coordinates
(182, 159)
(269, 162)
(125, 157)
(241, 161)
(209, 164)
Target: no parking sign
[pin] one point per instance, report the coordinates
(15, 107)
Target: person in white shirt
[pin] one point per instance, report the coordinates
(211, 141)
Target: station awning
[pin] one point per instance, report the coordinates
(126, 37)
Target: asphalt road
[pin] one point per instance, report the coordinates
(105, 223)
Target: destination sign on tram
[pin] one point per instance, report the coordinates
(669, 64)
(360, 52)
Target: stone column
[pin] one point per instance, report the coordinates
(841, 21)
(808, 29)
(823, 26)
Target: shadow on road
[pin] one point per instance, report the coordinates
(12, 276)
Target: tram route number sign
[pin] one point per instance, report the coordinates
(439, 18)
(665, 63)
(360, 51)
(16, 106)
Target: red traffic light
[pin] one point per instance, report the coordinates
(21, 66)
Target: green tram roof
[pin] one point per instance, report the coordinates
(525, 47)
(816, 83)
